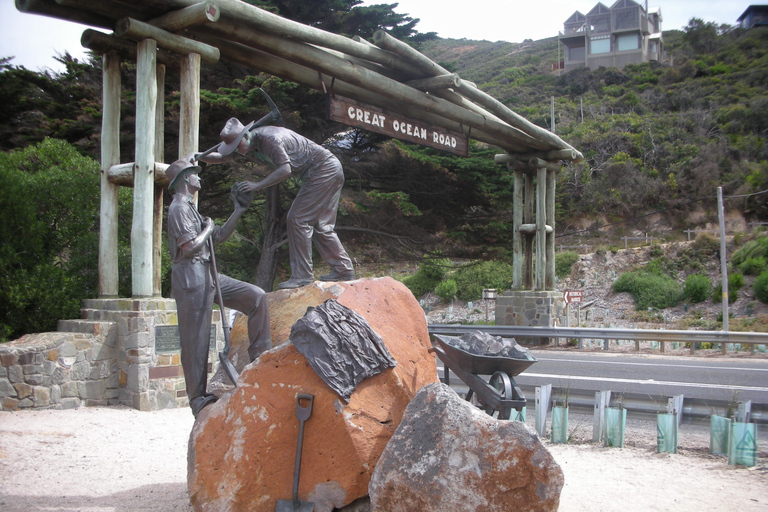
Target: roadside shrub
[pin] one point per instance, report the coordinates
(697, 288)
(760, 287)
(431, 272)
(446, 290)
(735, 284)
(707, 244)
(564, 262)
(472, 279)
(648, 289)
(49, 251)
(757, 248)
(754, 266)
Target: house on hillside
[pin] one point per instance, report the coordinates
(625, 33)
(754, 16)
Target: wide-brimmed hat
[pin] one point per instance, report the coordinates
(232, 134)
(177, 169)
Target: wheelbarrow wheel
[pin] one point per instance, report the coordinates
(503, 384)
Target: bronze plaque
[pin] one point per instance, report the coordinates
(375, 119)
(167, 338)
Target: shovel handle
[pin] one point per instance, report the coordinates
(302, 413)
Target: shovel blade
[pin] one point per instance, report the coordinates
(294, 506)
(229, 368)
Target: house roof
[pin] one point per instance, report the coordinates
(763, 8)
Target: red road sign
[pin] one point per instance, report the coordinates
(571, 296)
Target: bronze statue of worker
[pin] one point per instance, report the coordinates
(312, 215)
(193, 283)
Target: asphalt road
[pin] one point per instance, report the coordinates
(705, 378)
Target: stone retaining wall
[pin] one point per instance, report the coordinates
(58, 370)
(107, 357)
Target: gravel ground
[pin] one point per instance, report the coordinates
(116, 459)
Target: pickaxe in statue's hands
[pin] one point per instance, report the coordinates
(274, 117)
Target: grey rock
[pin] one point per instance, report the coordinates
(448, 456)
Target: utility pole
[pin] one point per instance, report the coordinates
(723, 260)
(552, 112)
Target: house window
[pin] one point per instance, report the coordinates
(599, 44)
(653, 47)
(576, 53)
(627, 42)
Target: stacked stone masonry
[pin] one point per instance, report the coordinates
(106, 358)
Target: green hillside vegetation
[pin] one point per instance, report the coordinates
(658, 140)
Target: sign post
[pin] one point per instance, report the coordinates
(573, 296)
(379, 120)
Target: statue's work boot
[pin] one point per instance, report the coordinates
(197, 404)
(294, 283)
(335, 275)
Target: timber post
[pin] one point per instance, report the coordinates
(157, 221)
(110, 156)
(144, 167)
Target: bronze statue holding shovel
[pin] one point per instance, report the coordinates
(194, 279)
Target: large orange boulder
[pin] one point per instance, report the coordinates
(242, 448)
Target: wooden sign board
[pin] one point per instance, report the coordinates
(571, 296)
(368, 117)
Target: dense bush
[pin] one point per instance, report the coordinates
(649, 289)
(49, 254)
(760, 287)
(697, 288)
(750, 255)
(735, 284)
(472, 279)
(446, 290)
(754, 266)
(431, 271)
(564, 262)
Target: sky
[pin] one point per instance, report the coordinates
(34, 40)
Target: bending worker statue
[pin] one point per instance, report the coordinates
(313, 213)
(193, 284)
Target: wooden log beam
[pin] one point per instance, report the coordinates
(435, 83)
(268, 63)
(426, 66)
(525, 162)
(51, 9)
(122, 174)
(530, 229)
(551, 156)
(415, 58)
(468, 90)
(106, 8)
(192, 16)
(511, 117)
(332, 66)
(102, 43)
(138, 31)
(249, 17)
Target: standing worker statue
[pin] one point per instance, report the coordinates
(313, 212)
(193, 283)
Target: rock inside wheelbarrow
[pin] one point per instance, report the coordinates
(484, 344)
(449, 456)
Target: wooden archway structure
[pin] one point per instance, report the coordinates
(182, 34)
